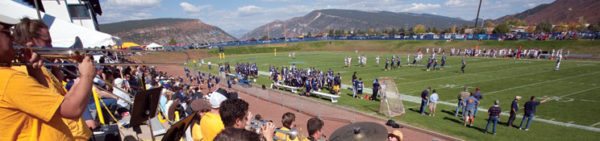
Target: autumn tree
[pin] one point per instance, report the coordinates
(419, 29)
(489, 24)
(562, 27)
(453, 29)
(172, 42)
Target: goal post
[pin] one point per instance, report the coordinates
(391, 102)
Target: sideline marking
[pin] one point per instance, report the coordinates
(578, 92)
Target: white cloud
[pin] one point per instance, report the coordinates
(249, 10)
(125, 3)
(193, 9)
(455, 3)
(189, 8)
(421, 7)
(121, 10)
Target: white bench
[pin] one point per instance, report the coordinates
(333, 98)
(293, 89)
(231, 75)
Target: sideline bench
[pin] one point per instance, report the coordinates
(333, 98)
(277, 85)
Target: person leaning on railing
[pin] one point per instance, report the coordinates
(29, 108)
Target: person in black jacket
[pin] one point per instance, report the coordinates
(424, 99)
(514, 108)
(376, 87)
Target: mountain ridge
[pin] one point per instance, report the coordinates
(162, 30)
(559, 11)
(319, 21)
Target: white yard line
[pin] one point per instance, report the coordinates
(578, 92)
(487, 80)
(532, 84)
(477, 73)
(595, 124)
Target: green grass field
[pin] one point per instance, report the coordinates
(574, 90)
(409, 46)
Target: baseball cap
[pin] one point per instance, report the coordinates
(200, 105)
(8, 20)
(216, 99)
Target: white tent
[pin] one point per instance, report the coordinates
(154, 46)
(63, 33)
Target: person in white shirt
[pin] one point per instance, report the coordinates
(433, 99)
(120, 89)
(349, 61)
(558, 60)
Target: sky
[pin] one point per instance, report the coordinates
(240, 16)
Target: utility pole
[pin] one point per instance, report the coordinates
(478, 10)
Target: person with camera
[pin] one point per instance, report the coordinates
(234, 114)
(25, 92)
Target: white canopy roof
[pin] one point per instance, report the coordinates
(63, 33)
(153, 45)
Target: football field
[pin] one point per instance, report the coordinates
(574, 90)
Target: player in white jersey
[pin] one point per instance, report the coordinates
(558, 60)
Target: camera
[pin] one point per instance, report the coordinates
(256, 123)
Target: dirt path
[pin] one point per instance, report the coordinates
(271, 104)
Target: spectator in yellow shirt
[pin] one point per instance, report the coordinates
(34, 33)
(29, 109)
(200, 106)
(210, 123)
(287, 120)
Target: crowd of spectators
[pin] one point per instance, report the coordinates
(311, 79)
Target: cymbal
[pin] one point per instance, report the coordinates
(360, 131)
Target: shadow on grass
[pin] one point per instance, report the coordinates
(462, 123)
(418, 111)
(451, 113)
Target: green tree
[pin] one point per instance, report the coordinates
(502, 29)
(339, 32)
(515, 22)
(543, 27)
(419, 29)
(435, 30)
(594, 27)
(330, 32)
(172, 42)
(264, 37)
